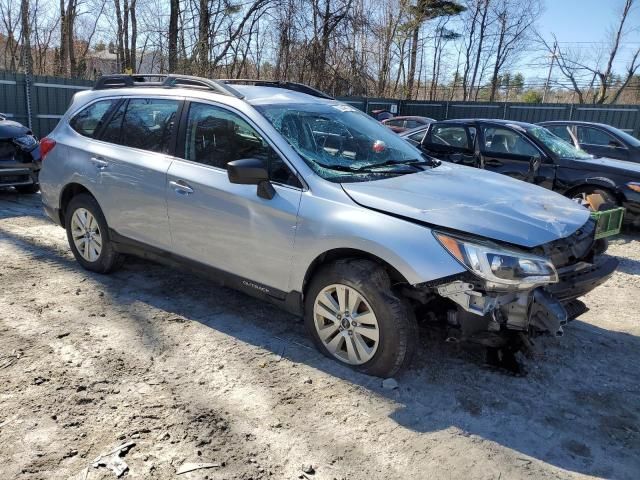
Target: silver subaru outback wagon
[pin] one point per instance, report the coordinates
(282, 192)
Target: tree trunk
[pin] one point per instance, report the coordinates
(134, 36)
(412, 62)
(62, 63)
(173, 35)
(122, 66)
(203, 38)
(26, 37)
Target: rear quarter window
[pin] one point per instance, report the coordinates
(88, 121)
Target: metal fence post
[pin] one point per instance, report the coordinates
(446, 111)
(27, 97)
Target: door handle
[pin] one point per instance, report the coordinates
(181, 187)
(100, 163)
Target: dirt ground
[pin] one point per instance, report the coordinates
(194, 373)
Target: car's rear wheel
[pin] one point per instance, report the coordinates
(354, 317)
(88, 235)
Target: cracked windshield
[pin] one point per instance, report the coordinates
(342, 144)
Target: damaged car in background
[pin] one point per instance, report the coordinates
(282, 192)
(19, 156)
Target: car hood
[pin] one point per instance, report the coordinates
(10, 129)
(476, 202)
(605, 163)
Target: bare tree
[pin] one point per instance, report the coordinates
(587, 74)
(515, 20)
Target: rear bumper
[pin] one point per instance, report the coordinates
(11, 177)
(579, 279)
(53, 214)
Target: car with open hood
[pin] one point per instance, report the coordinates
(19, 156)
(280, 191)
(534, 154)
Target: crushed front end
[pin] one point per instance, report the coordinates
(510, 295)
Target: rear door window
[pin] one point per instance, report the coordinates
(89, 120)
(149, 123)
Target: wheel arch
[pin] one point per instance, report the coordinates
(599, 183)
(344, 253)
(68, 192)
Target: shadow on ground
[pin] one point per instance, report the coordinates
(581, 398)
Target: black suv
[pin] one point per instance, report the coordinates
(533, 154)
(19, 157)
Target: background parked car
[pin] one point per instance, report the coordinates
(19, 157)
(381, 115)
(401, 124)
(532, 153)
(597, 139)
(415, 135)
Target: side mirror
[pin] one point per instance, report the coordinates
(614, 144)
(251, 171)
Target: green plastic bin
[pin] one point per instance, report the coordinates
(609, 222)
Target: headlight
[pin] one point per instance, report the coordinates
(635, 186)
(26, 142)
(500, 267)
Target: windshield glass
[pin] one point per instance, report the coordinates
(557, 145)
(342, 144)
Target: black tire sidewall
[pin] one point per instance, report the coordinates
(108, 258)
(396, 323)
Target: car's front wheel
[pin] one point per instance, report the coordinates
(354, 317)
(88, 235)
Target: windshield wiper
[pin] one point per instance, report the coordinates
(427, 162)
(365, 169)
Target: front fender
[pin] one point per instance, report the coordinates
(326, 225)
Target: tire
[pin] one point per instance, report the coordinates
(103, 259)
(396, 325)
(609, 201)
(28, 189)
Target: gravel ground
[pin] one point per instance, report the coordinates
(194, 373)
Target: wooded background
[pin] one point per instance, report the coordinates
(467, 50)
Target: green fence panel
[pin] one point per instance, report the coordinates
(51, 96)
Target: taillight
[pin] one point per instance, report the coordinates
(46, 145)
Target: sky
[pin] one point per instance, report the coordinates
(584, 24)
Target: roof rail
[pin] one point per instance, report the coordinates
(297, 87)
(168, 81)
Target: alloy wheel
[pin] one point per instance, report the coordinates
(346, 324)
(86, 234)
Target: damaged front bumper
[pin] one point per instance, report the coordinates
(489, 316)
